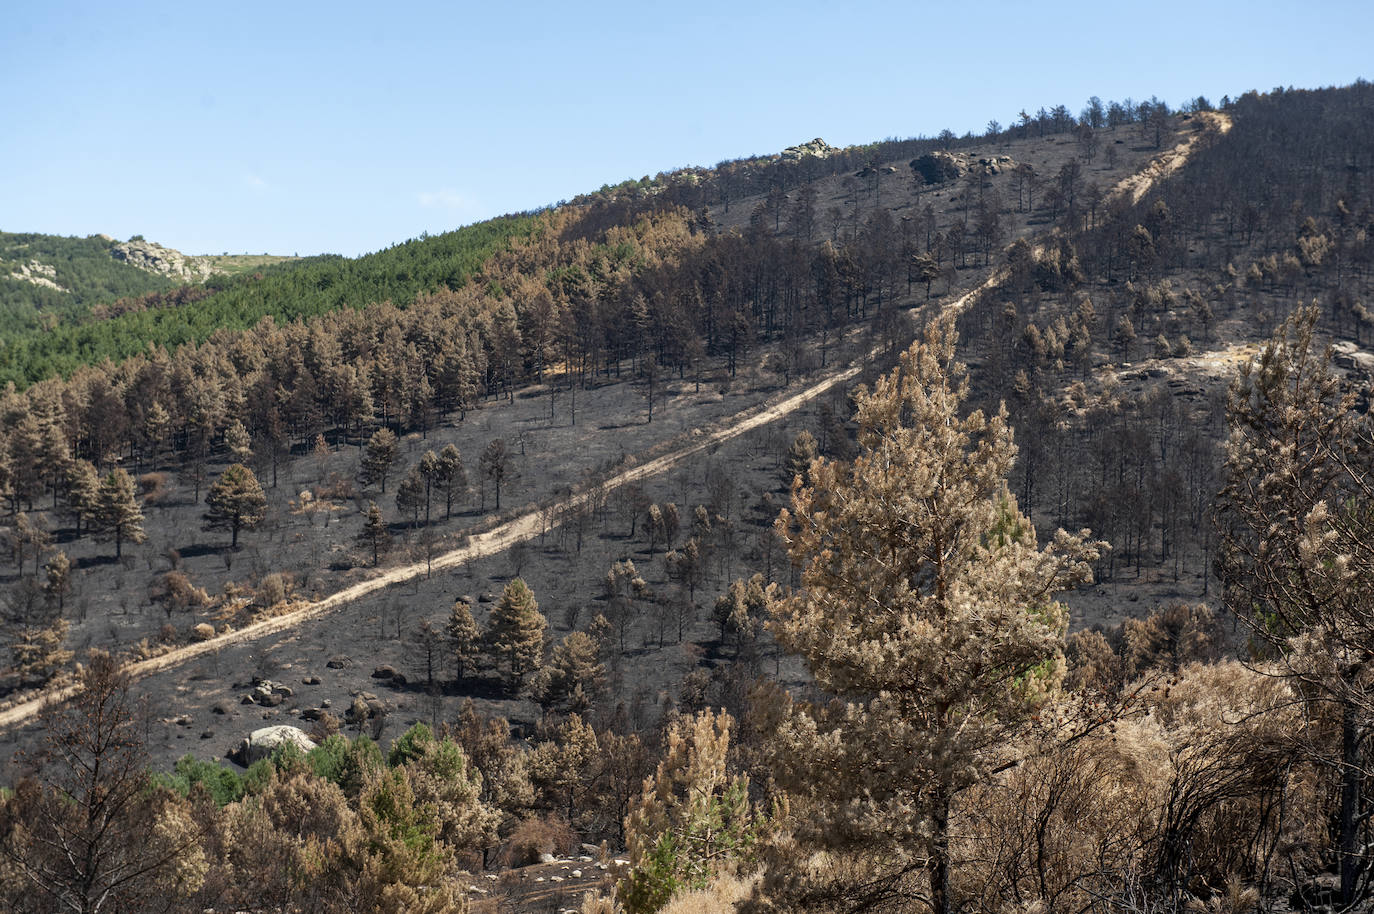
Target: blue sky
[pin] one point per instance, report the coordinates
(295, 127)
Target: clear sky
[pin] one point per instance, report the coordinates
(299, 127)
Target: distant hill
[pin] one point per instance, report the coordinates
(116, 321)
(46, 280)
(50, 278)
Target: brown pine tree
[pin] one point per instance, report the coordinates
(117, 513)
(236, 501)
(1297, 521)
(926, 609)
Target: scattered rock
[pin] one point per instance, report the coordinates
(1349, 356)
(312, 714)
(269, 694)
(547, 858)
(310, 680)
(996, 164)
(262, 743)
(339, 663)
(576, 874)
(487, 598)
(207, 734)
(221, 707)
(384, 672)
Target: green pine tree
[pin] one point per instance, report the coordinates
(515, 634)
(236, 502)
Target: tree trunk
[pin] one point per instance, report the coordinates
(1351, 776)
(938, 867)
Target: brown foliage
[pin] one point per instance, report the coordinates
(536, 836)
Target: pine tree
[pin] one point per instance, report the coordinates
(236, 501)
(495, 465)
(573, 675)
(799, 456)
(83, 489)
(515, 634)
(1297, 521)
(117, 512)
(410, 496)
(654, 527)
(687, 567)
(693, 819)
(375, 534)
(156, 422)
(59, 578)
(453, 479)
(446, 782)
(239, 442)
(38, 652)
(431, 470)
(90, 833)
(464, 641)
(926, 609)
(379, 457)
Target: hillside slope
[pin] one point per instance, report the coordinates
(47, 279)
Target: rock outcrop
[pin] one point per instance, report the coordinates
(937, 167)
(154, 258)
(267, 693)
(38, 273)
(816, 149)
(261, 743)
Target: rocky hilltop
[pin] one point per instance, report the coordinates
(817, 148)
(154, 258)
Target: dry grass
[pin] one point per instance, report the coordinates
(722, 894)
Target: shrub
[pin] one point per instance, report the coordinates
(275, 588)
(534, 837)
(153, 487)
(223, 784)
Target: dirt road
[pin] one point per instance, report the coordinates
(1166, 163)
(528, 526)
